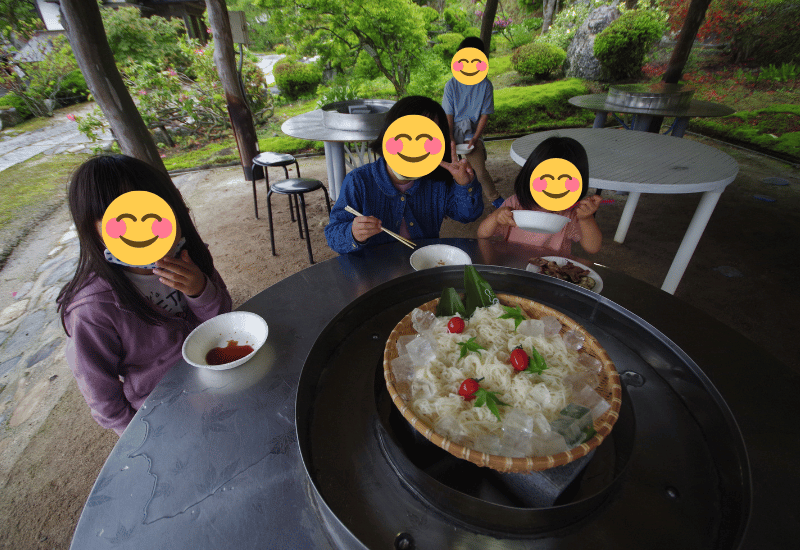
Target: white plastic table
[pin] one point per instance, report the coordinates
(337, 153)
(641, 162)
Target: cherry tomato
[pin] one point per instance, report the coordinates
(468, 388)
(519, 359)
(455, 325)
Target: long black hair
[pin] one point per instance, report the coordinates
(554, 147)
(424, 106)
(94, 186)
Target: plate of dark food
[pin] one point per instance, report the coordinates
(567, 270)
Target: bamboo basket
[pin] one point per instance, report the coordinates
(609, 388)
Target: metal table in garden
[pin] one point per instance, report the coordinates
(641, 162)
(642, 117)
(342, 146)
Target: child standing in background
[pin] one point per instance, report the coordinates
(582, 226)
(126, 325)
(468, 108)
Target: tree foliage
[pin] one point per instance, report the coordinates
(17, 17)
(391, 32)
(135, 39)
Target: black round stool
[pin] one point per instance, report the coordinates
(296, 187)
(265, 160)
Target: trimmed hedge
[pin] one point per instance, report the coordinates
(13, 100)
(447, 45)
(295, 79)
(538, 59)
(541, 106)
(623, 46)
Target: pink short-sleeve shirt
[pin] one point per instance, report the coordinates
(560, 243)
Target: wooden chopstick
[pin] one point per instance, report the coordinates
(403, 240)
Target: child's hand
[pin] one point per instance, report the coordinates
(588, 206)
(365, 227)
(182, 274)
(505, 216)
(460, 170)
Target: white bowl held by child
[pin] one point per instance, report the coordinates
(539, 222)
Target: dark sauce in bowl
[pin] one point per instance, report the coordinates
(230, 353)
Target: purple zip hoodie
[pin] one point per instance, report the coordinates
(107, 342)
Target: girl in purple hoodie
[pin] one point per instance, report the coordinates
(126, 325)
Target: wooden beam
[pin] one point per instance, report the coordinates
(238, 109)
(87, 37)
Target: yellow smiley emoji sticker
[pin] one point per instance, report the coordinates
(413, 146)
(139, 228)
(556, 184)
(470, 66)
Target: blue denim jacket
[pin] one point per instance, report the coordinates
(369, 190)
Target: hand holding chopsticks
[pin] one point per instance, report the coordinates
(403, 240)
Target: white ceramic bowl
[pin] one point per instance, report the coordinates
(463, 149)
(539, 222)
(437, 255)
(242, 326)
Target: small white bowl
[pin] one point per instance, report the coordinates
(539, 222)
(437, 255)
(463, 149)
(247, 329)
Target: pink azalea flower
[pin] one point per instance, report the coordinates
(142, 92)
(173, 72)
(71, 117)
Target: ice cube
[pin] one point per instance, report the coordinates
(402, 342)
(422, 321)
(403, 369)
(589, 398)
(573, 340)
(572, 423)
(518, 421)
(449, 427)
(583, 378)
(531, 327)
(421, 351)
(592, 364)
(515, 444)
(540, 424)
(548, 444)
(552, 326)
(488, 443)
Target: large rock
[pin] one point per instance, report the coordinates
(581, 61)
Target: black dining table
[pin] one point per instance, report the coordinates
(252, 458)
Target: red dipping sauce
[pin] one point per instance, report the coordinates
(228, 354)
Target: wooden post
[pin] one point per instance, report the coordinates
(90, 46)
(487, 22)
(241, 118)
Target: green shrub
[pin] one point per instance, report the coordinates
(447, 45)
(623, 46)
(13, 100)
(472, 31)
(73, 89)
(540, 106)
(295, 79)
(281, 49)
(455, 19)
(538, 59)
(429, 15)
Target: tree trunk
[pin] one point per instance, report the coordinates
(548, 12)
(238, 109)
(90, 46)
(487, 22)
(680, 54)
(631, 4)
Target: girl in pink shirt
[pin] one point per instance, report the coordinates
(581, 227)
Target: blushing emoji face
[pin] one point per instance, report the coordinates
(139, 228)
(470, 66)
(556, 184)
(413, 146)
